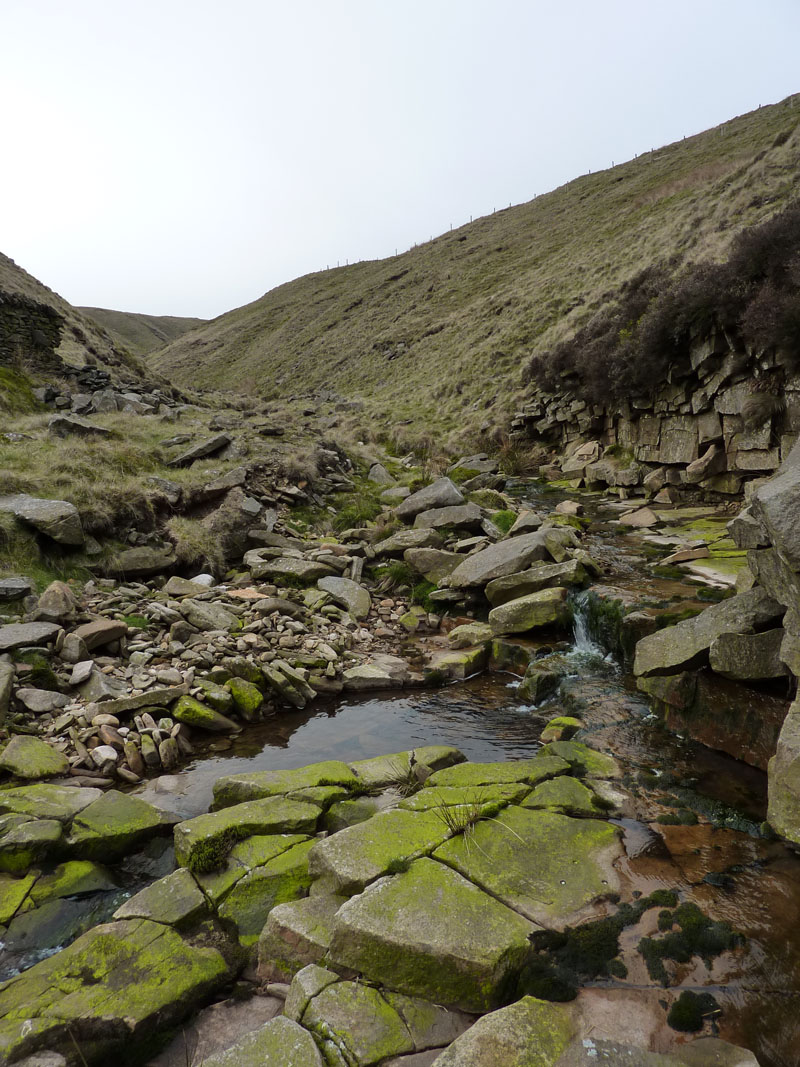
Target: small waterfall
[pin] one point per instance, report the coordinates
(584, 648)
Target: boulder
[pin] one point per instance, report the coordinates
(208, 447)
(48, 801)
(433, 564)
(196, 714)
(115, 824)
(379, 475)
(506, 557)
(64, 425)
(382, 672)
(101, 632)
(141, 562)
(439, 494)
(279, 1043)
(15, 589)
(208, 616)
(430, 933)
(783, 810)
(114, 987)
(398, 543)
(535, 611)
(40, 701)
(776, 506)
(469, 633)
(285, 567)
(177, 587)
(297, 933)
(540, 576)
(349, 594)
(362, 1021)
(527, 522)
(28, 757)
(748, 657)
(201, 844)
(57, 519)
(24, 634)
(686, 644)
(460, 516)
(57, 602)
(174, 900)
(530, 1032)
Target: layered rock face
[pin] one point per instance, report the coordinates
(726, 419)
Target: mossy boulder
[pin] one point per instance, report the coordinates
(247, 698)
(469, 633)
(252, 852)
(194, 713)
(114, 825)
(296, 934)
(583, 760)
(72, 878)
(175, 900)
(279, 1043)
(13, 894)
(235, 788)
(545, 866)
(48, 801)
(529, 1033)
(431, 933)
(540, 576)
(359, 1021)
(115, 986)
(24, 841)
(435, 798)
(29, 757)
(389, 840)
(536, 611)
(561, 728)
(566, 795)
(216, 696)
(251, 899)
(203, 844)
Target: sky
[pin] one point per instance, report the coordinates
(182, 157)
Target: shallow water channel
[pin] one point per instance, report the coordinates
(722, 862)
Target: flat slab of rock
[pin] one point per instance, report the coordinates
(22, 634)
(430, 933)
(172, 900)
(141, 562)
(256, 785)
(15, 588)
(160, 698)
(28, 757)
(144, 976)
(209, 447)
(349, 594)
(547, 867)
(382, 672)
(58, 519)
(64, 425)
(686, 644)
(433, 564)
(460, 516)
(505, 557)
(114, 824)
(305, 570)
(101, 632)
(546, 608)
(443, 493)
(401, 541)
(45, 801)
(359, 854)
(41, 700)
(542, 576)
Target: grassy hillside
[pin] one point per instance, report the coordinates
(82, 340)
(441, 334)
(141, 334)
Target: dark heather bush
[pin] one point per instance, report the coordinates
(628, 347)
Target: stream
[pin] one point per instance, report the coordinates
(692, 824)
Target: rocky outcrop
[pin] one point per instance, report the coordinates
(694, 434)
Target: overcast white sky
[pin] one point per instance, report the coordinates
(184, 156)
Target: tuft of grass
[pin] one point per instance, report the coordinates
(195, 544)
(504, 520)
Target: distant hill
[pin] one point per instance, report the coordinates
(142, 334)
(441, 334)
